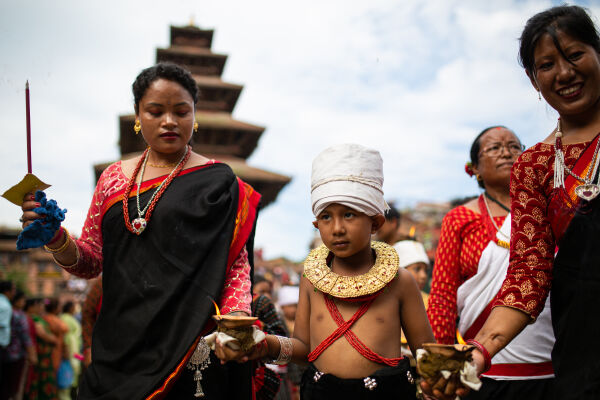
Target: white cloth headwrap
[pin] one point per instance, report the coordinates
(348, 174)
(411, 252)
(288, 295)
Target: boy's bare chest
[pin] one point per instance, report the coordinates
(380, 316)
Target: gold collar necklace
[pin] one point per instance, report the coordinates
(325, 280)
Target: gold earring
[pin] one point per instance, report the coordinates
(137, 127)
(195, 126)
(539, 95)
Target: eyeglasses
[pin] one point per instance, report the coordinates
(496, 149)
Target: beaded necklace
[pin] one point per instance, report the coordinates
(139, 224)
(587, 190)
(502, 243)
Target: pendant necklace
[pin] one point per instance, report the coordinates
(138, 225)
(587, 190)
(502, 243)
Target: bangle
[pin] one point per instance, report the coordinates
(68, 266)
(63, 247)
(285, 350)
(487, 360)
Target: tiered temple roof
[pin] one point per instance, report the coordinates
(219, 135)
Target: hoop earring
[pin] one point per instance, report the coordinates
(195, 126)
(137, 127)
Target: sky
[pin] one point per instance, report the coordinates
(416, 80)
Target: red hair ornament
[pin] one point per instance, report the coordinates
(469, 168)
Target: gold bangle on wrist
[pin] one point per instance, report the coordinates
(63, 247)
(68, 266)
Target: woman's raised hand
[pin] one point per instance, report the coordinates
(29, 204)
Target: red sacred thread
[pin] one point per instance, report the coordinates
(158, 195)
(344, 329)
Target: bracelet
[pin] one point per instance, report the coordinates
(68, 266)
(61, 248)
(285, 350)
(487, 360)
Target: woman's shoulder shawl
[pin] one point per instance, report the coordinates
(247, 209)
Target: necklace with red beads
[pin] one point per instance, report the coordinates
(138, 225)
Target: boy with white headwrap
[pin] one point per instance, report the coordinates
(354, 300)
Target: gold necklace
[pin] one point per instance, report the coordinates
(325, 280)
(171, 165)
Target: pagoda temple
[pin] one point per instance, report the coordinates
(219, 135)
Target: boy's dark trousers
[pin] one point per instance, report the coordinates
(386, 383)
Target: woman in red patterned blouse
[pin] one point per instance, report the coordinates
(162, 265)
(468, 229)
(470, 265)
(553, 188)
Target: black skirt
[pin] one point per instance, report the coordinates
(530, 389)
(575, 300)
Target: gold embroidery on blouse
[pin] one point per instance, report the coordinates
(520, 248)
(541, 247)
(575, 152)
(510, 299)
(540, 278)
(516, 217)
(526, 288)
(537, 215)
(529, 230)
(543, 160)
(523, 199)
(532, 260)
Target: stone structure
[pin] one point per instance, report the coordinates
(219, 135)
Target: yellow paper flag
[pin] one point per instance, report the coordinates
(30, 183)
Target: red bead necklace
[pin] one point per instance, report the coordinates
(139, 224)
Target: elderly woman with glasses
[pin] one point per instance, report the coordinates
(470, 266)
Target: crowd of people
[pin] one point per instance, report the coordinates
(171, 232)
(41, 346)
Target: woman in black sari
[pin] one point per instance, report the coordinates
(170, 230)
(555, 206)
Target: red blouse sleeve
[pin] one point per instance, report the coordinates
(236, 295)
(464, 236)
(446, 279)
(89, 246)
(532, 244)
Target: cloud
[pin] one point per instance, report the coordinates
(416, 80)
